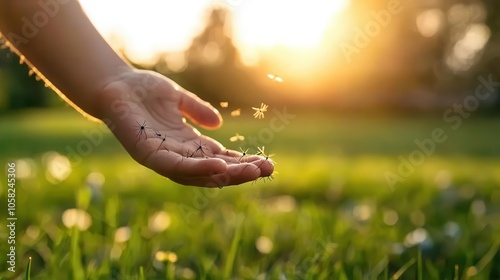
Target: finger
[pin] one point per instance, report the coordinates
(205, 144)
(266, 167)
(199, 111)
(171, 164)
(236, 174)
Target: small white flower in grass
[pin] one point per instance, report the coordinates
(32, 232)
(76, 217)
(264, 245)
(391, 217)
(259, 112)
(58, 167)
(168, 256)
(478, 208)
(452, 229)
(95, 179)
(443, 179)
(122, 234)
(159, 222)
(25, 168)
(282, 203)
(362, 212)
(188, 273)
(396, 249)
(415, 237)
(94, 182)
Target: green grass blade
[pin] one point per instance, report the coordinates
(141, 273)
(403, 269)
(76, 265)
(379, 268)
(234, 248)
(28, 270)
(433, 273)
(487, 258)
(170, 271)
(339, 272)
(419, 264)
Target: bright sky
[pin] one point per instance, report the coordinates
(148, 27)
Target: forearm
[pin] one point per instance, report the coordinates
(60, 42)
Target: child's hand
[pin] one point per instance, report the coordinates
(145, 112)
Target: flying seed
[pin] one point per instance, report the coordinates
(267, 157)
(237, 137)
(236, 112)
(224, 104)
(259, 112)
(275, 78)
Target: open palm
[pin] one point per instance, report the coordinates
(146, 111)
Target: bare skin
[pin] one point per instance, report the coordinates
(72, 56)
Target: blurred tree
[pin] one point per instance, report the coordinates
(214, 45)
(426, 55)
(214, 69)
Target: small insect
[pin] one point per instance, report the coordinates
(237, 137)
(187, 154)
(157, 134)
(224, 104)
(162, 141)
(261, 151)
(236, 113)
(259, 112)
(200, 148)
(267, 157)
(275, 78)
(267, 178)
(243, 154)
(141, 128)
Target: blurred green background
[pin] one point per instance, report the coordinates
(356, 194)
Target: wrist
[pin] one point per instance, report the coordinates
(111, 90)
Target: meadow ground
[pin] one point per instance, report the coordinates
(329, 213)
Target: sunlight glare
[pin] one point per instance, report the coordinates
(430, 22)
(295, 24)
(147, 28)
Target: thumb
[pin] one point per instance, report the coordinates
(198, 111)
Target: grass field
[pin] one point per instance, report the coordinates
(329, 213)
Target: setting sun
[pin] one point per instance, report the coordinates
(293, 24)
